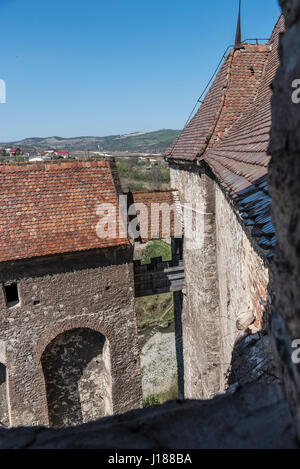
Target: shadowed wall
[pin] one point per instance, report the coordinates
(76, 367)
(4, 417)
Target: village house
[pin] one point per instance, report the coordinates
(62, 154)
(13, 151)
(59, 153)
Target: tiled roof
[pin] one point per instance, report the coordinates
(51, 208)
(240, 160)
(233, 89)
(153, 225)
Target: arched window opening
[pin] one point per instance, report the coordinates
(76, 367)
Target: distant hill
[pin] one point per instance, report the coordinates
(143, 142)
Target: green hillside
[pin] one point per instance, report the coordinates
(143, 142)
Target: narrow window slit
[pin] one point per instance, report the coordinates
(11, 295)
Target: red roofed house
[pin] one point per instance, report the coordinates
(13, 151)
(68, 333)
(63, 154)
(220, 161)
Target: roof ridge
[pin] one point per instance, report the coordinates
(235, 129)
(221, 107)
(266, 49)
(277, 26)
(49, 165)
(169, 152)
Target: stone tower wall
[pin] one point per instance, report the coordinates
(226, 278)
(91, 290)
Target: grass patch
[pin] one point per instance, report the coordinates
(151, 309)
(151, 401)
(170, 395)
(137, 176)
(156, 308)
(156, 248)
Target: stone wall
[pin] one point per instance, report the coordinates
(284, 188)
(226, 297)
(4, 417)
(255, 416)
(243, 297)
(200, 314)
(90, 291)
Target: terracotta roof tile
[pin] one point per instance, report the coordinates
(234, 88)
(156, 226)
(51, 208)
(240, 161)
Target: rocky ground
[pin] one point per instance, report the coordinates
(158, 362)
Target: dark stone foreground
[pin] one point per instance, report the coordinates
(255, 416)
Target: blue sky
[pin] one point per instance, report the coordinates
(77, 68)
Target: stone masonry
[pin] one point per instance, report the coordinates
(254, 416)
(68, 332)
(200, 323)
(227, 279)
(220, 163)
(64, 293)
(284, 184)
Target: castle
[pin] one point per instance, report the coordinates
(68, 293)
(240, 290)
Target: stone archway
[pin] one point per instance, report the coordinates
(77, 372)
(4, 412)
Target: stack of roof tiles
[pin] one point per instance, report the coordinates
(230, 133)
(52, 208)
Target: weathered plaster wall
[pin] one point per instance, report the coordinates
(91, 290)
(284, 188)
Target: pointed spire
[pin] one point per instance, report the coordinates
(238, 38)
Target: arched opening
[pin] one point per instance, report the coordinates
(4, 414)
(76, 367)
